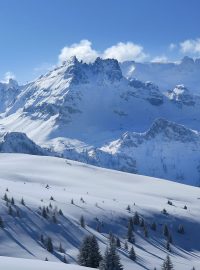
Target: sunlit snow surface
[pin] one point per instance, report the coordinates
(106, 194)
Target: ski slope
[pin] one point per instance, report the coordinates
(23, 264)
(105, 195)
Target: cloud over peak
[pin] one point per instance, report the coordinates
(121, 51)
(191, 46)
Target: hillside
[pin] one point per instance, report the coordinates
(102, 197)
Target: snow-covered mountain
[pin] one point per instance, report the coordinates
(166, 75)
(17, 142)
(101, 196)
(87, 112)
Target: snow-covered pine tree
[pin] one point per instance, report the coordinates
(111, 260)
(153, 226)
(118, 243)
(132, 254)
(1, 223)
(125, 245)
(61, 249)
(5, 197)
(145, 231)
(167, 264)
(181, 229)
(136, 219)
(44, 212)
(142, 222)
(10, 211)
(64, 259)
(60, 212)
(22, 202)
(168, 245)
(82, 222)
(166, 231)
(130, 235)
(89, 254)
(12, 201)
(49, 245)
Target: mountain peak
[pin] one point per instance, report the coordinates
(187, 60)
(181, 95)
(108, 67)
(171, 130)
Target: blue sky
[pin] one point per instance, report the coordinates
(33, 32)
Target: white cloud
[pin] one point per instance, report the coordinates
(172, 46)
(160, 59)
(191, 46)
(7, 76)
(121, 51)
(82, 50)
(125, 51)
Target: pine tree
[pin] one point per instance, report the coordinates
(64, 259)
(170, 239)
(60, 212)
(118, 243)
(132, 254)
(170, 202)
(44, 212)
(185, 207)
(167, 264)
(72, 201)
(145, 231)
(168, 246)
(112, 239)
(42, 238)
(136, 219)
(10, 211)
(22, 202)
(98, 227)
(46, 259)
(166, 231)
(12, 201)
(153, 226)
(142, 222)
(51, 198)
(89, 254)
(61, 248)
(82, 222)
(130, 235)
(164, 211)
(111, 260)
(49, 245)
(5, 197)
(125, 245)
(54, 219)
(181, 229)
(128, 208)
(18, 213)
(1, 223)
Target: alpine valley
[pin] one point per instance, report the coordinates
(135, 117)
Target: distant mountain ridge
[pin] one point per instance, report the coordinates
(166, 75)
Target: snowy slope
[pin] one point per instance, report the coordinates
(166, 75)
(23, 264)
(105, 195)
